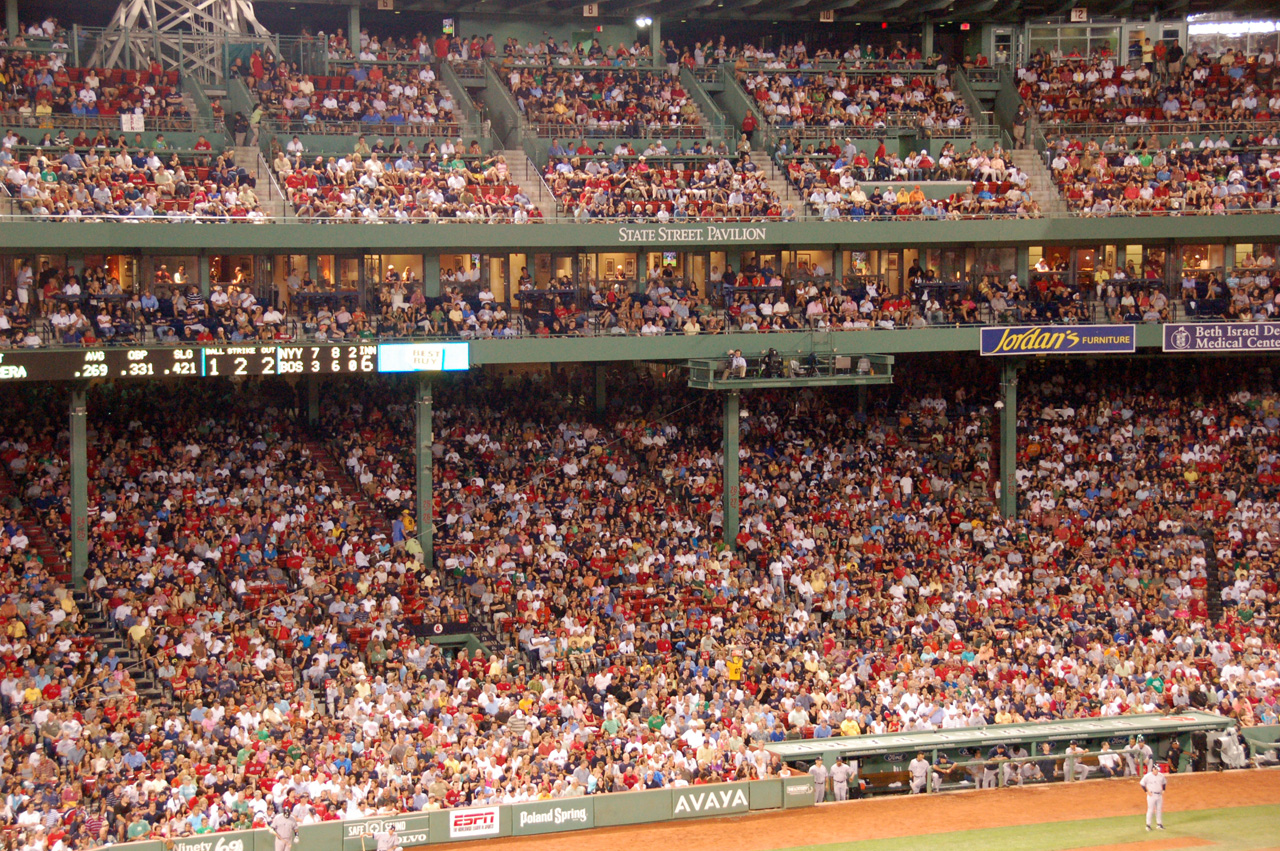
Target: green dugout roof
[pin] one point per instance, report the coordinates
(992, 735)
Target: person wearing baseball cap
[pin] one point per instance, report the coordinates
(1153, 783)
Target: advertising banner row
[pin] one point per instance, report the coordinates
(1177, 337)
(538, 817)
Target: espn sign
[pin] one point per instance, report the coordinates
(467, 824)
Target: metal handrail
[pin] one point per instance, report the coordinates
(697, 130)
(70, 121)
(326, 127)
(808, 217)
(544, 189)
(1096, 128)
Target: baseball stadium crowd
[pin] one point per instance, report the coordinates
(403, 184)
(39, 88)
(605, 102)
(116, 180)
(1146, 177)
(405, 96)
(262, 591)
(1156, 86)
(666, 191)
(827, 98)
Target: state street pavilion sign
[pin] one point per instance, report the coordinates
(679, 234)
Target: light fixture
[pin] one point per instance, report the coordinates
(999, 404)
(743, 414)
(644, 21)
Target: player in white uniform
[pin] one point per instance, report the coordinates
(1153, 783)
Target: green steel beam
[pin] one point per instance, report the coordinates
(423, 485)
(79, 485)
(313, 400)
(19, 235)
(1009, 438)
(602, 399)
(731, 497)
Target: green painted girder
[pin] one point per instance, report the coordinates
(829, 372)
(23, 236)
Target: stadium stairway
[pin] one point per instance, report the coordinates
(108, 638)
(482, 625)
(336, 473)
(54, 558)
(530, 180)
(269, 201)
(778, 182)
(1040, 182)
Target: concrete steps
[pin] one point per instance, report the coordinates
(526, 174)
(269, 200)
(53, 555)
(1040, 182)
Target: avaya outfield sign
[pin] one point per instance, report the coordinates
(694, 801)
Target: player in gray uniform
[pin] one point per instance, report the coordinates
(285, 829)
(1073, 768)
(1137, 756)
(840, 774)
(918, 768)
(819, 774)
(388, 841)
(1153, 783)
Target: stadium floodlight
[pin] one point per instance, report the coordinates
(644, 21)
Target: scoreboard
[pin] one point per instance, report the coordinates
(230, 361)
(290, 360)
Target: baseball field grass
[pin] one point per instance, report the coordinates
(1230, 829)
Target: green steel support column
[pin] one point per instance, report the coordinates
(655, 44)
(202, 273)
(601, 396)
(11, 19)
(1229, 256)
(79, 486)
(1009, 439)
(862, 398)
(431, 275)
(926, 40)
(1022, 265)
(313, 261)
(731, 494)
(353, 26)
(313, 399)
(837, 265)
(424, 487)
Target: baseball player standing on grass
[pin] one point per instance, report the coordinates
(1153, 783)
(819, 774)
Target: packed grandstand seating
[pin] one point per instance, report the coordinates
(405, 184)
(38, 88)
(668, 189)
(605, 102)
(405, 98)
(84, 179)
(827, 98)
(1102, 89)
(1213, 177)
(274, 598)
